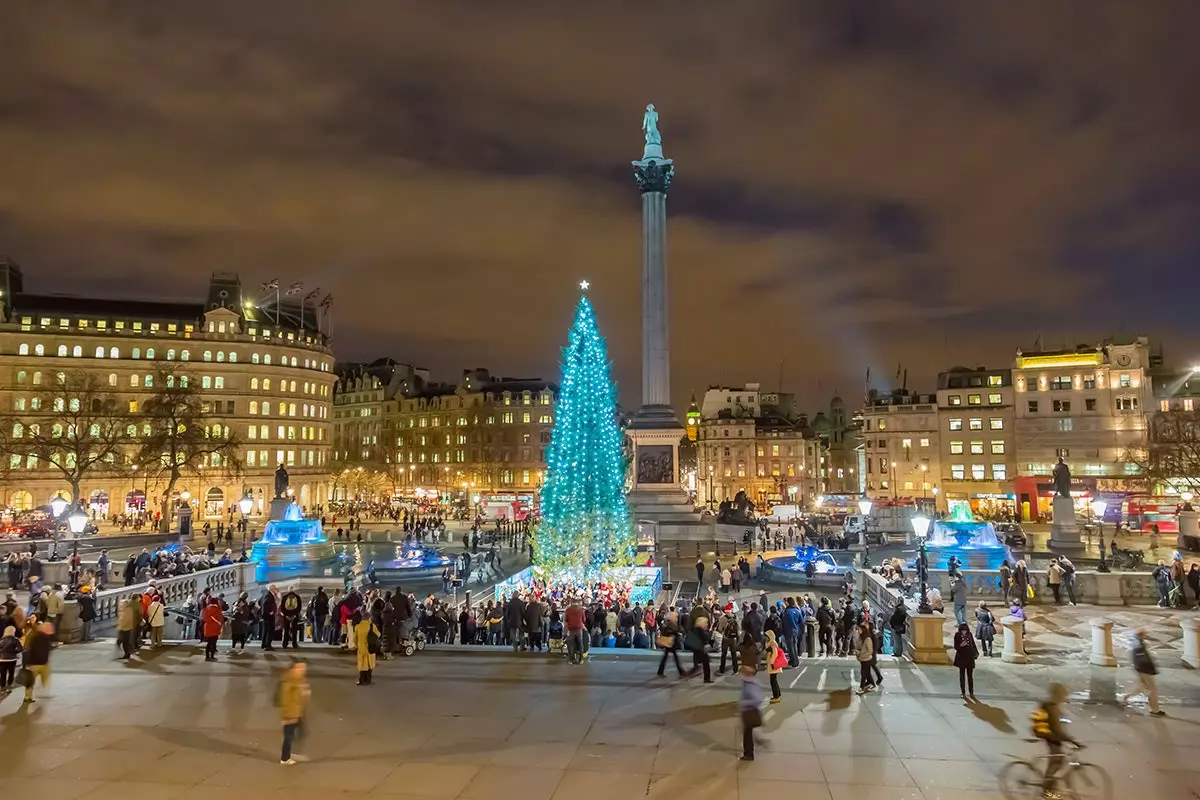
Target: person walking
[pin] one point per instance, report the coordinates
(87, 612)
(965, 655)
(239, 625)
(10, 648)
(293, 695)
(37, 644)
(1005, 580)
(1068, 578)
(985, 628)
(212, 620)
(696, 641)
(1193, 582)
(1020, 579)
(865, 652)
(668, 642)
(729, 641)
(776, 661)
(366, 638)
(127, 622)
(1054, 579)
(1144, 668)
(750, 706)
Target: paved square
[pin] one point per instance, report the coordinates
(451, 724)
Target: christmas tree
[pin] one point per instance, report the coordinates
(584, 523)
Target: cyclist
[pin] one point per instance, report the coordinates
(1049, 726)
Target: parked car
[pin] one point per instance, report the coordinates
(1011, 534)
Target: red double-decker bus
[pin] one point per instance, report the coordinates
(1146, 510)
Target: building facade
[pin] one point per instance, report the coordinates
(902, 447)
(976, 446)
(482, 435)
(1086, 405)
(754, 441)
(264, 368)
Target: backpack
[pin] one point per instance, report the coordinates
(1039, 723)
(781, 658)
(1068, 568)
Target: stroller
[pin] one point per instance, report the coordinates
(554, 641)
(412, 638)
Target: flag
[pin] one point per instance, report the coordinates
(312, 295)
(327, 302)
(269, 285)
(294, 288)
(898, 367)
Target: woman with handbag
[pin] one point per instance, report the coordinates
(776, 661)
(668, 642)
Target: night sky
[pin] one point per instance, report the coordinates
(857, 185)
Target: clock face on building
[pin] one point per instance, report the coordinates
(1123, 360)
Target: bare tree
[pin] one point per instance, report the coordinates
(1172, 453)
(183, 435)
(72, 424)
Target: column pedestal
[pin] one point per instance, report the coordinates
(1102, 645)
(1108, 589)
(1064, 530)
(928, 644)
(1014, 640)
(1191, 642)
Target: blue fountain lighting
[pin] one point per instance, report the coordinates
(822, 560)
(291, 547)
(974, 543)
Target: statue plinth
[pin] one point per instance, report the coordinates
(1064, 529)
(279, 505)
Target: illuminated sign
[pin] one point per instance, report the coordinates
(1064, 360)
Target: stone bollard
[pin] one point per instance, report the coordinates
(1191, 642)
(810, 641)
(928, 645)
(1102, 646)
(1014, 640)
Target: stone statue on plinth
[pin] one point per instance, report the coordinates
(281, 482)
(1062, 479)
(1064, 530)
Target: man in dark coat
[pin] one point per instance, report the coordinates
(320, 614)
(291, 606)
(270, 607)
(130, 570)
(533, 623)
(514, 615)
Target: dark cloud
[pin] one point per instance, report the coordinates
(859, 183)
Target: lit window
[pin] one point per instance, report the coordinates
(956, 424)
(1033, 406)
(995, 380)
(251, 456)
(112, 379)
(137, 352)
(1164, 405)
(1125, 381)
(1188, 404)
(39, 350)
(62, 350)
(976, 448)
(974, 400)
(954, 400)
(958, 472)
(220, 355)
(999, 472)
(977, 472)
(997, 447)
(996, 423)
(976, 424)
(905, 443)
(133, 381)
(1062, 406)
(994, 399)
(254, 358)
(266, 384)
(253, 406)
(205, 382)
(881, 426)
(150, 353)
(924, 443)
(208, 355)
(133, 406)
(956, 448)
(219, 382)
(148, 381)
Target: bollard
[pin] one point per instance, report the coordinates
(1102, 645)
(1191, 642)
(1014, 640)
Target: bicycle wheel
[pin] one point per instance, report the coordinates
(1020, 780)
(1088, 782)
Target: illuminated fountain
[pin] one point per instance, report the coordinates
(395, 560)
(794, 568)
(974, 543)
(292, 547)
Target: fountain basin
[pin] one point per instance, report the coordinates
(974, 544)
(292, 547)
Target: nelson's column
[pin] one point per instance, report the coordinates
(655, 431)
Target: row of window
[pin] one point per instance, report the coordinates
(1179, 404)
(994, 399)
(292, 458)
(307, 432)
(264, 407)
(1124, 403)
(976, 424)
(958, 472)
(774, 470)
(996, 447)
(171, 354)
(1066, 383)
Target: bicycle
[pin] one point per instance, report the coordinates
(1021, 779)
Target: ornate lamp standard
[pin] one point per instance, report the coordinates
(1098, 507)
(244, 505)
(920, 526)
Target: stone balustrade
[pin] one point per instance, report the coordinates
(1097, 588)
(229, 580)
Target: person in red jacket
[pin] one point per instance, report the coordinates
(212, 619)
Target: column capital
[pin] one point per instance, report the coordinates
(653, 175)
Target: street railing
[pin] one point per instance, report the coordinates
(231, 578)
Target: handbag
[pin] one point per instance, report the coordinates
(24, 677)
(1029, 591)
(693, 641)
(665, 641)
(752, 717)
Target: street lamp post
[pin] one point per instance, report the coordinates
(864, 506)
(244, 505)
(920, 526)
(1098, 507)
(894, 480)
(710, 486)
(924, 485)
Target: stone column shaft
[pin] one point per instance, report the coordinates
(656, 370)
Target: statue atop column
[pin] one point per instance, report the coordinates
(1062, 479)
(281, 482)
(650, 125)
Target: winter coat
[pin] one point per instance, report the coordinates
(985, 625)
(366, 659)
(155, 614)
(213, 620)
(87, 607)
(533, 617)
(127, 617)
(866, 648)
(293, 698)
(514, 612)
(965, 651)
(771, 650)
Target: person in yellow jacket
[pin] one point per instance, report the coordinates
(363, 630)
(293, 697)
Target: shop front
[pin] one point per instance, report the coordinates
(1035, 497)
